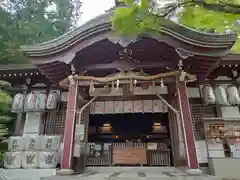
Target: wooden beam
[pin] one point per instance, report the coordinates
(125, 65)
(211, 69)
(166, 80)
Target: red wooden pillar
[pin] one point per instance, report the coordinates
(188, 132)
(66, 160)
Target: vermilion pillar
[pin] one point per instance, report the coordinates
(188, 132)
(66, 160)
(179, 151)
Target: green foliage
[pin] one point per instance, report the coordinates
(201, 18)
(209, 15)
(6, 117)
(30, 21)
(134, 19)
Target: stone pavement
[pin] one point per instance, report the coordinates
(141, 176)
(26, 174)
(104, 174)
(133, 176)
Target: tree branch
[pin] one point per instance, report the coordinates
(227, 8)
(221, 7)
(173, 8)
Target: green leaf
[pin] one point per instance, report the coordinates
(137, 18)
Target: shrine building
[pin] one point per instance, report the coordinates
(91, 98)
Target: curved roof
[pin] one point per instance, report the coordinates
(53, 57)
(102, 24)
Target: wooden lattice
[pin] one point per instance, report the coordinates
(56, 121)
(159, 157)
(198, 112)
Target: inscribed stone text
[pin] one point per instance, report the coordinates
(30, 159)
(49, 159)
(32, 144)
(14, 144)
(49, 144)
(10, 160)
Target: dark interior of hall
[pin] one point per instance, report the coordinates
(137, 127)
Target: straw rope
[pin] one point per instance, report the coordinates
(123, 76)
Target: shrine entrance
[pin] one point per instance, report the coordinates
(129, 137)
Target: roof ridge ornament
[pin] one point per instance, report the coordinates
(123, 41)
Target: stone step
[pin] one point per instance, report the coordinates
(131, 169)
(141, 173)
(133, 176)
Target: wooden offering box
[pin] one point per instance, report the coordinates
(129, 155)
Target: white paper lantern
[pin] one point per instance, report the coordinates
(41, 100)
(208, 95)
(221, 95)
(18, 102)
(12, 160)
(52, 100)
(233, 95)
(30, 101)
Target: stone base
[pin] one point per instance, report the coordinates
(194, 171)
(64, 172)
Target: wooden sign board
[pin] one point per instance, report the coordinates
(130, 156)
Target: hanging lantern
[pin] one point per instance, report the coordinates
(221, 95)
(208, 95)
(233, 95)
